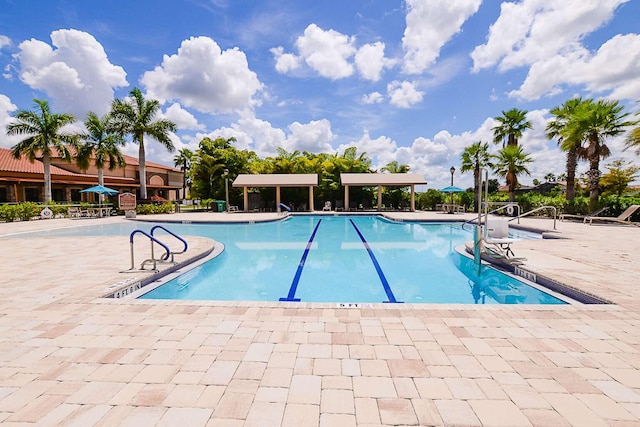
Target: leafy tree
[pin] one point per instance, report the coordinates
(137, 116)
(183, 161)
(475, 157)
(43, 131)
(511, 162)
(512, 124)
(550, 177)
(593, 122)
(102, 142)
(620, 174)
(396, 194)
(536, 181)
(555, 129)
(633, 137)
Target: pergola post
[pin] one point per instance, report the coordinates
(245, 196)
(346, 198)
(277, 198)
(311, 207)
(379, 197)
(413, 198)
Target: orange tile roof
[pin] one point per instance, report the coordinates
(8, 163)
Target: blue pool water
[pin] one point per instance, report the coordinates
(343, 259)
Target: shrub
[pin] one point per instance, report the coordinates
(8, 213)
(28, 210)
(149, 208)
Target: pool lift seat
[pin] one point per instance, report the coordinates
(497, 244)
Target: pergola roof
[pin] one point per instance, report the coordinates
(384, 179)
(277, 180)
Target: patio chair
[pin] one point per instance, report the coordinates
(623, 218)
(564, 216)
(327, 206)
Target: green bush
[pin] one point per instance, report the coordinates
(150, 208)
(28, 210)
(8, 213)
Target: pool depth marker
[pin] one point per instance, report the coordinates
(296, 278)
(383, 279)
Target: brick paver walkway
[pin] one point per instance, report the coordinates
(69, 357)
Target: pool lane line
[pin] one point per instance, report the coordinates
(296, 278)
(383, 279)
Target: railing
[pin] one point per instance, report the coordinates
(486, 214)
(153, 240)
(184, 242)
(553, 208)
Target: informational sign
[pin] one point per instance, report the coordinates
(127, 201)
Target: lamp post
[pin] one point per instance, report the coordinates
(226, 189)
(452, 170)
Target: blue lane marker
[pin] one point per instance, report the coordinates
(383, 279)
(296, 278)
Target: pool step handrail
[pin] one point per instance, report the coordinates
(553, 208)
(285, 207)
(153, 260)
(483, 216)
(171, 253)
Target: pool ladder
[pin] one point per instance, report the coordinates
(166, 257)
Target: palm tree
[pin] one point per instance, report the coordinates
(395, 167)
(593, 122)
(183, 161)
(511, 161)
(102, 142)
(633, 138)
(512, 124)
(44, 133)
(475, 157)
(554, 129)
(136, 117)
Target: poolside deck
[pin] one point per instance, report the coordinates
(69, 357)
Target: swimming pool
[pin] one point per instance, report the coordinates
(347, 259)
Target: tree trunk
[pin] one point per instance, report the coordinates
(593, 176)
(477, 185)
(46, 162)
(572, 163)
(143, 170)
(101, 182)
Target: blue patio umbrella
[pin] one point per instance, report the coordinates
(100, 189)
(452, 189)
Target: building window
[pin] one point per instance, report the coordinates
(3, 195)
(58, 194)
(75, 195)
(32, 194)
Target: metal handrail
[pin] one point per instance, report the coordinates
(152, 240)
(486, 214)
(555, 212)
(165, 256)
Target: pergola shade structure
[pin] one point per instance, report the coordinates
(278, 181)
(381, 180)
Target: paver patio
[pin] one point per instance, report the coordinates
(69, 357)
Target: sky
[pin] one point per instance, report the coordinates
(412, 81)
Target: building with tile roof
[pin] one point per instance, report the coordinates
(22, 180)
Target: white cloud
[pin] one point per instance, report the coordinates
(327, 52)
(372, 98)
(77, 75)
(204, 77)
(6, 109)
(370, 61)
(430, 24)
(314, 137)
(403, 94)
(4, 41)
(182, 118)
(285, 62)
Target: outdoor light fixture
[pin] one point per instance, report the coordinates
(452, 170)
(226, 189)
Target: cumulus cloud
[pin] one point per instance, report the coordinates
(4, 41)
(285, 62)
(403, 94)
(314, 137)
(76, 75)
(182, 118)
(430, 24)
(327, 52)
(370, 61)
(6, 109)
(372, 98)
(204, 77)
(547, 37)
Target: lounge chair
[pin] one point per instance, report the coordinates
(623, 218)
(597, 212)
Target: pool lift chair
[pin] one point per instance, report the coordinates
(497, 243)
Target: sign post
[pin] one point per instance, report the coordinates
(127, 203)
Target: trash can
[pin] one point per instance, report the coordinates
(222, 205)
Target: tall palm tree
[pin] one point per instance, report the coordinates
(512, 124)
(102, 142)
(633, 137)
(475, 157)
(395, 167)
(137, 116)
(44, 134)
(554, 129)
(511, 161)
(183, 161)
(593, 122)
